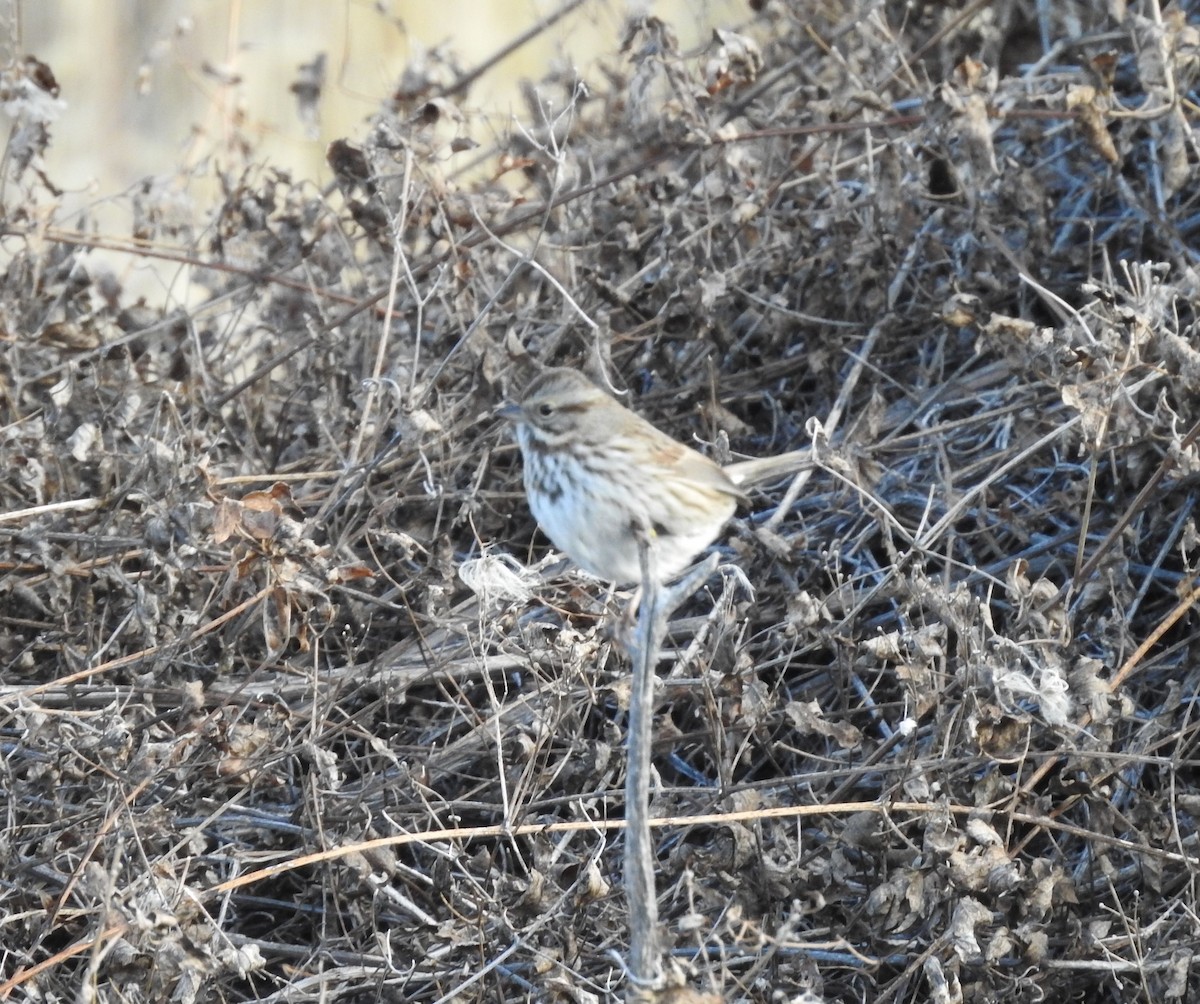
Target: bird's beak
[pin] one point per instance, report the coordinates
(508, 411)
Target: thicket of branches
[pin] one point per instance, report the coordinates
(293, 709)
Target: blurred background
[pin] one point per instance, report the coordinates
(153, 88)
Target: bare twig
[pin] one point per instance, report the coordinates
(657, 602)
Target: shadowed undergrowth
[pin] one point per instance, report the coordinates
(270, 590)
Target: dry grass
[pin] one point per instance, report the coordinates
(285, 713)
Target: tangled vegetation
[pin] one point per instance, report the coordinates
(296, 704)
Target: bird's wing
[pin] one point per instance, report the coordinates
(694, 466)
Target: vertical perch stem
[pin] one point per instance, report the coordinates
(645, 967)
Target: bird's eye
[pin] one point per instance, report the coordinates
(545, 409)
